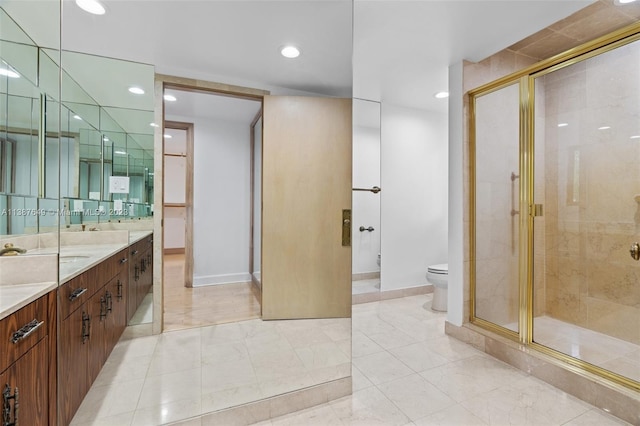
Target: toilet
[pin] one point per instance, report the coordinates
(438, 275)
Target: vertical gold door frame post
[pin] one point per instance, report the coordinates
(472, 208)
(525, 252)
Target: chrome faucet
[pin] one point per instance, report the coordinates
(10, 250)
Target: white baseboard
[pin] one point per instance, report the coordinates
(221, 279)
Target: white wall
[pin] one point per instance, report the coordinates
(221, 201)
(365, 246)
(414, 173)
(455, 307)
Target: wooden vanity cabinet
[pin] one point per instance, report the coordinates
(92, 328)
(140, 273)
(27, 363)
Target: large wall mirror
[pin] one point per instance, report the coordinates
(29, 157)
(107, 149)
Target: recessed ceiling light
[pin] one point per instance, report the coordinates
(635, 137)
(623, 1)
(290, 52)
(563, 124)
(77, 117)
(167, 136)
(441, 95)
(9, 73)
(170, 98)
(92, 6)
(153, 125)
(136, 90)
(604, 127)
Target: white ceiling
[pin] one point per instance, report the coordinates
(401, 49)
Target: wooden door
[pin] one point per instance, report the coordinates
(306, 185)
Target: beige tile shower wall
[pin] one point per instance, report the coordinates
(592, 178)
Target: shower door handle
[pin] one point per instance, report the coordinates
(635, 251)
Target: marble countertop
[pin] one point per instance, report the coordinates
(73, 261)
(14, 297)
(135, 236)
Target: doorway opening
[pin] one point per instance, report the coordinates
(211, 224)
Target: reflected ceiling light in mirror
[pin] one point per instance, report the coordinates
(92, 6)
(9, 73)
(635, 137)
(604, 127)
(153, 125)
(136, 90)
(106, 139)
(167, 136)
(441, 95)
(170, 98)
(290, 52)
(77, 117)
(563, 124)
(120, 152)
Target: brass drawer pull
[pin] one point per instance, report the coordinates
(26, 330)
(6, 406)
(86, 327)
(76, 293)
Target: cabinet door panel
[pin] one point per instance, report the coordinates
(98, 336)
(30, 374)
(73, 380)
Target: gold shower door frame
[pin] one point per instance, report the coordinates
(525, 79)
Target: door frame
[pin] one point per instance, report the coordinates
(162, 82)
(188, 199)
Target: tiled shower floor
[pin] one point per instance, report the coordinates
(596, 348)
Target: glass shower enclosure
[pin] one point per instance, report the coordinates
(555, 220)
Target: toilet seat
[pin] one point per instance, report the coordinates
(442, 269)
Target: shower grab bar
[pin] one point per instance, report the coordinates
(513, 212)
(375, 189)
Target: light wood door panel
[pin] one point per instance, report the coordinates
(306, 183)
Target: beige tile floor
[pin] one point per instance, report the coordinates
(365, 286)
(202, 306)
(153, 380)
(405, 370)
